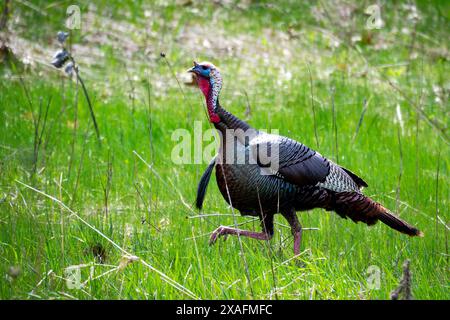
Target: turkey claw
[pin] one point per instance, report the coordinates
(220, 231)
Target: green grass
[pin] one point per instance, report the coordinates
(149, 211)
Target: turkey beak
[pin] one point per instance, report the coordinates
(194, 68)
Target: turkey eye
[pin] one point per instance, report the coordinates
(204, 67)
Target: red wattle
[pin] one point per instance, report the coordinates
(205, 87)
(213, 117)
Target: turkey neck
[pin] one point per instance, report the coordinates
(229, 121)
(234, 133)
(225, 122)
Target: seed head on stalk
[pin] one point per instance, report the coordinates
(63, 58)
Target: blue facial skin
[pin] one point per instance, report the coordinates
(203, 72)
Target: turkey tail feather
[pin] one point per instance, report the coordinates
(203, 184)
(398, 224)
(358, 207)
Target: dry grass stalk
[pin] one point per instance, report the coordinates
(404, 288)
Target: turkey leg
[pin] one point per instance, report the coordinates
(266, 234)
(223, 231)
(296, 229)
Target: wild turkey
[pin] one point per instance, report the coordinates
(302, 179)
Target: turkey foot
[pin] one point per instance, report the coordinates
(224, 231)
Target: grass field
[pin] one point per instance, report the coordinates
(121, 213)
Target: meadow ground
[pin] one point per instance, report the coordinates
(81, 219)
